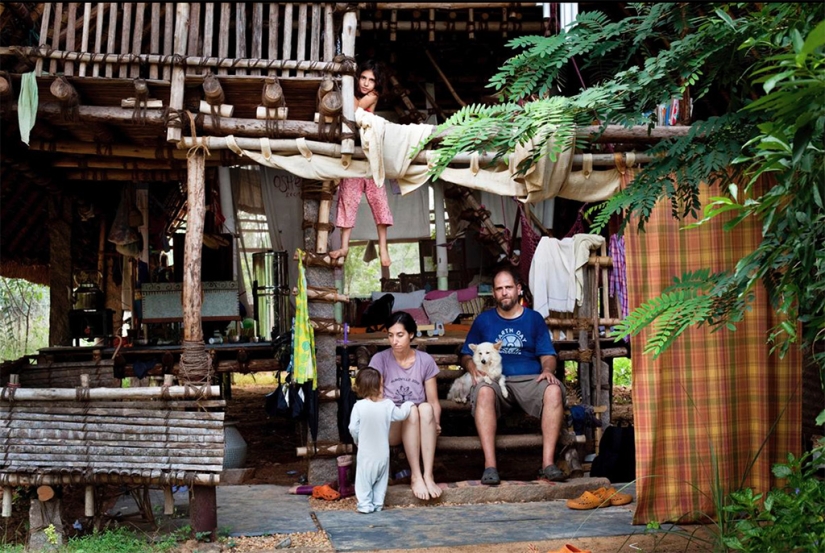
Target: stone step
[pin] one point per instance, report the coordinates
(509, 491)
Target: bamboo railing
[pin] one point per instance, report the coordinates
(114, 39)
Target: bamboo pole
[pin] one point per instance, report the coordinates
(38, 71)
(144, 438)
(58, 21)
(240, 35)
(194, 33)
(173, 133)
(208, 28)
(444, 78)
(223, 38)
(329, 295)
(154, 38)
(472, 443)
(441, 6)
(168, 36)
(89, 503)
(192, 285)
(579, 322)
(103, 419)
(324, 450)
(329, 33)
(7, 495)
(147, 416)
(137, 38)
(125, 43)
(315, 35)
(168, 501)
(110, 477)
(57, 394)
(350, 25)
(300, 52)
(257, 33)
(322, 240)
(287, 46)
(187, 61)
(111, 38)
(274, 13)
(455, 26)
(68, 68)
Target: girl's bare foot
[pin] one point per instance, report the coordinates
(420, 489)
(335, 254)
(434, 489)
(385, 258)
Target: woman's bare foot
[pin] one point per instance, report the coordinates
(420, 489)
(435, 489)
(335, 254)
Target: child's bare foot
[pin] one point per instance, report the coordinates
(385, 258)
(420, 489)
(434, 489)
(335, 254)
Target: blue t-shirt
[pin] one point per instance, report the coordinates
(523, 340)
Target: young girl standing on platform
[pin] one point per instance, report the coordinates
(370, 427)
(370, 81)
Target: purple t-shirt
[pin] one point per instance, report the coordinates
(401, 384)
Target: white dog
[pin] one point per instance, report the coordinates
(487, 360)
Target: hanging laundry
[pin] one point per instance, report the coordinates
(552, 278)
(618, 274)
(27, 105)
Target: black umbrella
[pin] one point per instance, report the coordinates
(310, 408)
(346, 398)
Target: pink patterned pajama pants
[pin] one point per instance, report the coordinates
(349, 197)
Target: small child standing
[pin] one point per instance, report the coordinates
(370, 429)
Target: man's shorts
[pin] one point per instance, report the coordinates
(523, 391)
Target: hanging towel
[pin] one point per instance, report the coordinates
(582, 244)
(27, 105)
(551, 276)
(303, 336)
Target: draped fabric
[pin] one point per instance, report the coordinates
(303, 336)
(705, 406)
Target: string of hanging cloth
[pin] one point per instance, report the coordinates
(387, 147)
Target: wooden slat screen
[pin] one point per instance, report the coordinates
(237, 31)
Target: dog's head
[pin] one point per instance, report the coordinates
(486, 354)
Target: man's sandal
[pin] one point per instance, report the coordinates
(490, 477)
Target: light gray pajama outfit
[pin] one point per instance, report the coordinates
(370, 428)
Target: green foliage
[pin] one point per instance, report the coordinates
(622, 372)
(24, 318)
(757, 71)
(118, 540)
(788, 518)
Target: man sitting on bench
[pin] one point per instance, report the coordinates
(529, 363)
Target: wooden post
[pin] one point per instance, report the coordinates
(89, 504)
(173, 133)
(192, 292)
(168, 501)
(38, 66)
(348, 85)
(60, 276)
(203, 510)
(7, 493)
(322, 243)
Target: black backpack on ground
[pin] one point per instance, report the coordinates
(616, 460)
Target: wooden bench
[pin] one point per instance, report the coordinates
(151, 436)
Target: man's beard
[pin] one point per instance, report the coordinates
(507, 304)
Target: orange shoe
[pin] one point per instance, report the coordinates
(616, 498)
(570, 549)
(325, 492)
(589, 500)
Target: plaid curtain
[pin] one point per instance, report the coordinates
(704, 407)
